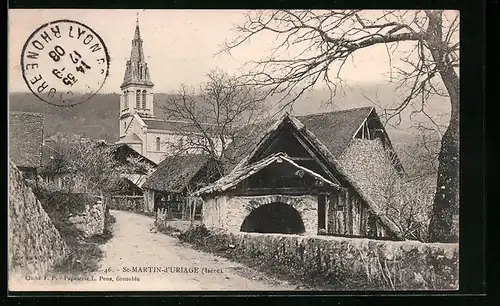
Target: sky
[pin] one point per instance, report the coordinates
(180, 45)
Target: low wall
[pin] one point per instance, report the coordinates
(341, 263)
(128, 203)
(34, 243)
(74, 214)
(163, 223)
(91, 220)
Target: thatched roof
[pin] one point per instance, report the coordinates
(174, 173)
(241, 173)
(25, 139)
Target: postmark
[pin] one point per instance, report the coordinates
(64, 62)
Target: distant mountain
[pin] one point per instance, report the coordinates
(98, 117)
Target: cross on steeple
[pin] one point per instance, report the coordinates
(137, 71)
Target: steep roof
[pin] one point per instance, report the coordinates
(241, 173)
(25, 139)
(137, 71)
(175, 172)
(136, 179)
(323, 148)
(129, 138)
(244, 141)
(334, 129)
(125, 148)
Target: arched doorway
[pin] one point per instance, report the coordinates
(275, 217)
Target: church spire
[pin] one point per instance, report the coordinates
(137, 71)
(137, 34)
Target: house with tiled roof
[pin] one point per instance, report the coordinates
(152, 137)
(25, 141)
(175, 177)
(309, 175)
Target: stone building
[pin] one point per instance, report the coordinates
(293, 178)
(25, 142)
(152, 137)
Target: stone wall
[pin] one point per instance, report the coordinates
(229, 212)
(91, 220)
(34, 244)
(340, 263)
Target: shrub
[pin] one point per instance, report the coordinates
(196, 235)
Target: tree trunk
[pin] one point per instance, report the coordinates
(446, 199)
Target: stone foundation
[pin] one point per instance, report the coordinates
(229, 212)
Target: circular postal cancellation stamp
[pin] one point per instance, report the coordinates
(64, 62)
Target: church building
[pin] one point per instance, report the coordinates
(152, 137)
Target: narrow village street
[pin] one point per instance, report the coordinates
(161, 264)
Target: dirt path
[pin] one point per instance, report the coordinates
(159, 262)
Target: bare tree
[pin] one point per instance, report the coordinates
(216, 112)
(317, 43)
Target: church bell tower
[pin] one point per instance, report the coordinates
(136, 89)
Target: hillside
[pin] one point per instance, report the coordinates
(98, 117)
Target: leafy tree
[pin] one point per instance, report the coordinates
(87, 165)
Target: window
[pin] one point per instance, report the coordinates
(157, 143)
(124, 126)
(125, 99)
(144, 99)
(138, 99)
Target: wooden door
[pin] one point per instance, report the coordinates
(321, 211)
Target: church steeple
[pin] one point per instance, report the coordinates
(137, 88)
(137, 71)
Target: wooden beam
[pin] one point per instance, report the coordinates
(360, 127)
(306, 146)
(284, 191)
(301, 158)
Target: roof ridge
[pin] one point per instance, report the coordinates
(337, 111)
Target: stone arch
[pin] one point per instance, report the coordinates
(289, 209)
(275, 217)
